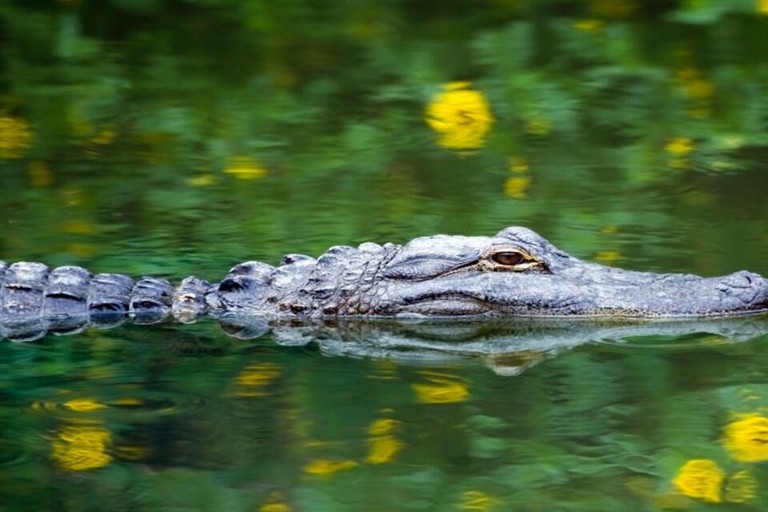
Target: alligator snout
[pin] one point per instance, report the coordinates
(748, 287)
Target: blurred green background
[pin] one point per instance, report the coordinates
(177, 137)
(182, 136)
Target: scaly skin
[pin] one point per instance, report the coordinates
(514, 273)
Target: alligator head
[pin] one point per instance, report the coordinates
(518, 272)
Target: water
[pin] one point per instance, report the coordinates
(175, 139)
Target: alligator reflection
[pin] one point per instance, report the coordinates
(506, 346)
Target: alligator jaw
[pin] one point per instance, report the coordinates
(606, 293)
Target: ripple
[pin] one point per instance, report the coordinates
(135, 405)
(13, 455)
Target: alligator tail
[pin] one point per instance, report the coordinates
(35, 300)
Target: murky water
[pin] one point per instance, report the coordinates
(150, 138)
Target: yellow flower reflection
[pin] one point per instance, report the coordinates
(680, 146)
(15, 136)
(383, 449)
(741, 487)
(588, 25)
(383, 445)
(537, 126)
(245, 168)
(608, 256)
(478, 501)
(275, 503)
(516, 187)
(617, 9)
(518, 164)
(131, 452)
(80, 448)
(105, 137)
(275, 507)
(254, 377)
(323, 467)
(694, 84)
(83, 250)
(84, 405)
(40, 174)
(460, 115)
(441, 389)
(203, 180)
(78, 227)
(747, 439)
(700, 479)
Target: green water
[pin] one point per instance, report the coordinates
(181, 137)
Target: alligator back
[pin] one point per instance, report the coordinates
(35, 299)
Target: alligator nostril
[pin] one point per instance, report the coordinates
(741, 279)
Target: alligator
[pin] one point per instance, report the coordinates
(516, 273)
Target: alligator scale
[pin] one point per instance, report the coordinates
(514, 273)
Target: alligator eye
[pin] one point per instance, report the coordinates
(509, 258)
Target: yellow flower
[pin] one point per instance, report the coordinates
(700, 479)
(460, 115)
(516, 187)
(323, 467)
(478, 501)
(747, 438)
(80, 448)
(741, 487)
(680, 146)
(15, 136)
(762, 7)
(441, 389)
(245, 168)
(588, 25)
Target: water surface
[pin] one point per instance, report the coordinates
(177, 138)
